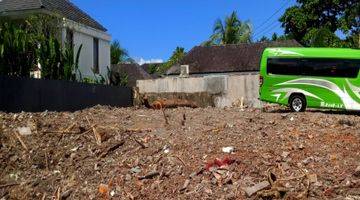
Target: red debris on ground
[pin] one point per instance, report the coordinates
(219, 163)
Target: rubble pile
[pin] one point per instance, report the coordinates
(182, 153)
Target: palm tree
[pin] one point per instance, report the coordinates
(175, 59)
(178, 54)
(231, 31)
(119, 54)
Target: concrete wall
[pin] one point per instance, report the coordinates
(221, 90)
(241, 86)
(85, 35)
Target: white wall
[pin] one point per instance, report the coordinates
(85, 35)
(104, 56)
(86, 55)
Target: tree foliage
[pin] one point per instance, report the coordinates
(119, 54)
(316, 22)
(175, 59)
(275, 37)
(17, 47)
(178, 54)
(264, 39)
(36, 39)
(230, 31)
(117, 78)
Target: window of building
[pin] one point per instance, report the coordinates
(327, 67)
(96, 55)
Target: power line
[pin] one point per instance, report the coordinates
(268, 29)
(268, 19)
(276, 12)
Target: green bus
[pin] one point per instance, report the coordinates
(311, 77)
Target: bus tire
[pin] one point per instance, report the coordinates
(297, 103)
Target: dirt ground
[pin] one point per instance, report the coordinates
(129, 153)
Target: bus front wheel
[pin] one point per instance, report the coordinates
(297, 103)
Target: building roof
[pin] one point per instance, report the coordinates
(133, 71)
(227, 58)
(146, 67)
(63, 7)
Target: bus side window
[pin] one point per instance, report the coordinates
(325, 67)
(283, 66)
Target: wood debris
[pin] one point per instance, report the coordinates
(21, 141)
(180, 162)
(168, 103)
(111, 149)
(8, 185)
(97, 135)
(256, 188)
(149, 175)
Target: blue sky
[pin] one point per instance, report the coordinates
(152, 29)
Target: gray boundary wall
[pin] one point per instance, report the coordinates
(226, 90)
(37, 95)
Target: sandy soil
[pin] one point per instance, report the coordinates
(129, 153)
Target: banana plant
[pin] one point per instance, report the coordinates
(49, 54)
(16, 49)
(71, 66)
(26, 42)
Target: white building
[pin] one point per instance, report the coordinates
(78, 29)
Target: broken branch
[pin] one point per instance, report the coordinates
(21, 141)
(138, 130)
(179, 159)
(165, 117)
(96, 133)
(69, 128)
(140, 143)
(149, 176)
(46, 161)
(8, 185)
(111, 148)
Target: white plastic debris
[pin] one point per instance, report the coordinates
(112, 193)
(15, 116)
(285, 154)
(43, 114)
(292, 119)
(74, 149)
(24, 130)
(135, 170)
(228, 149)
(166, 149)
(229, 125)
(14, 176)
